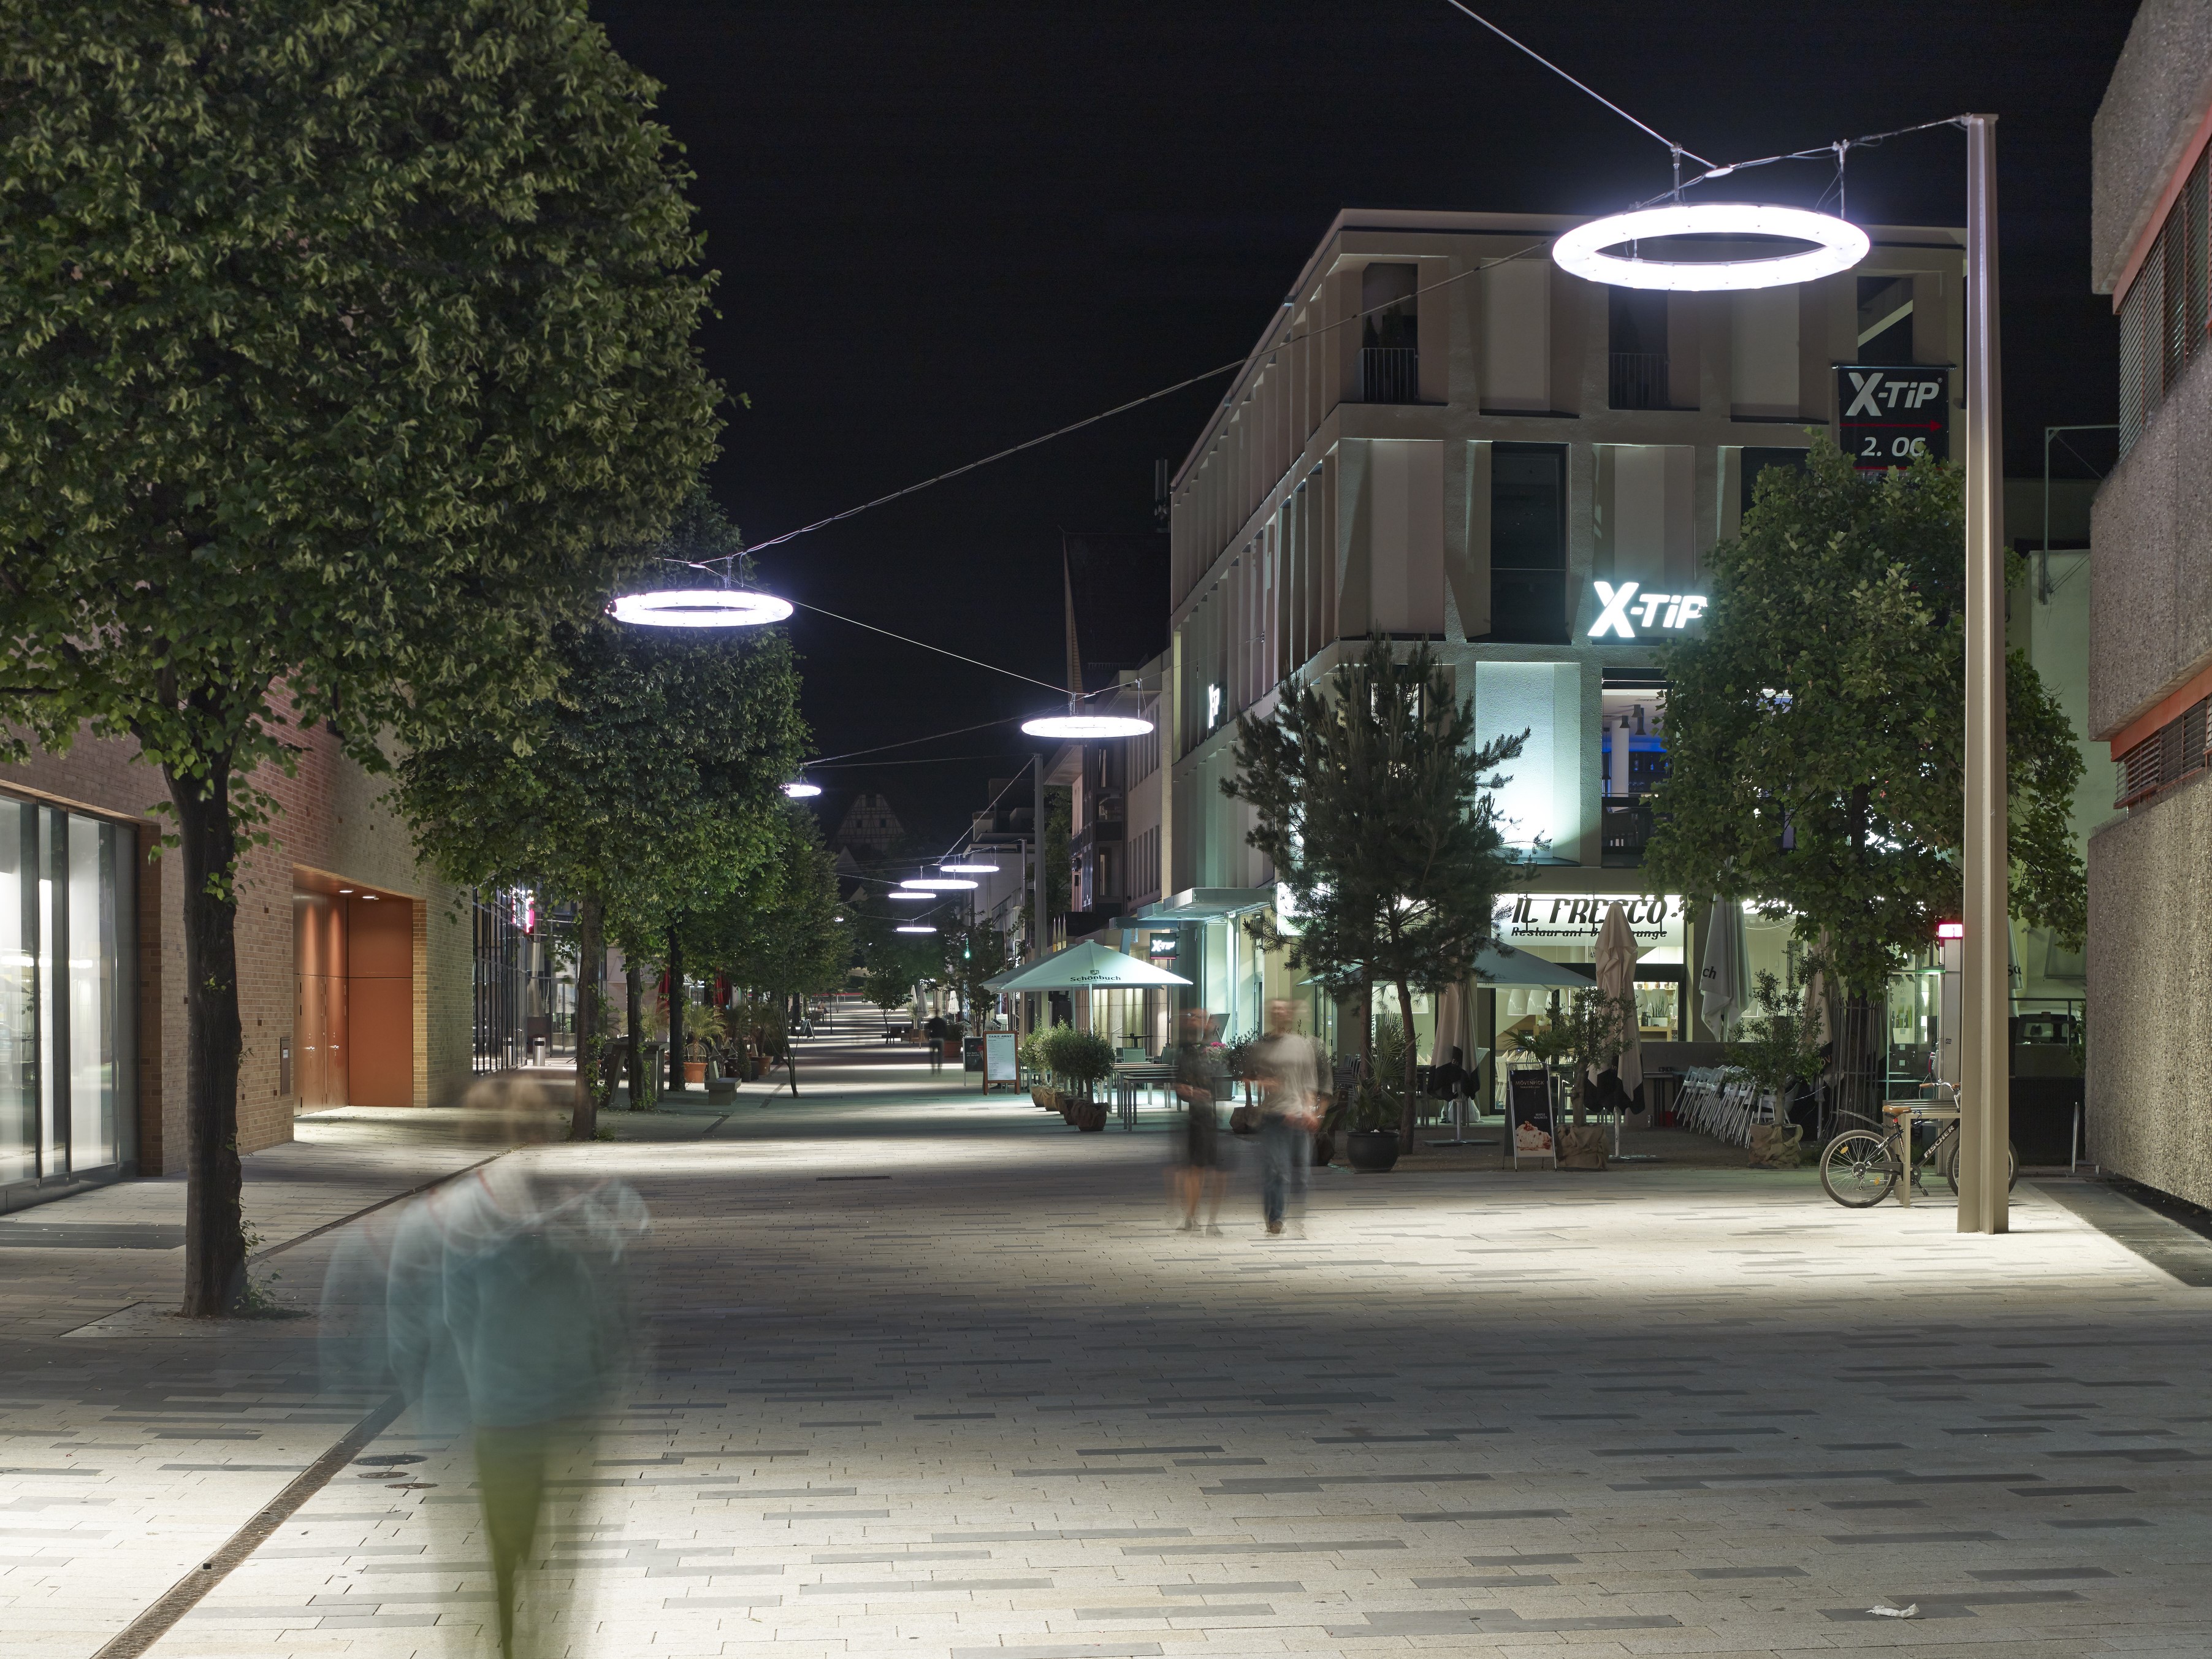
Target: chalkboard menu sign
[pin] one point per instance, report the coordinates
(1528, 1109)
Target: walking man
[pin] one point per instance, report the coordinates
(1289, 1072)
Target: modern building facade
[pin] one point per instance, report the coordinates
(354, 968)
(2150, 685)
(1443, 437)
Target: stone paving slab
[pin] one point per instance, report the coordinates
(992, 1404)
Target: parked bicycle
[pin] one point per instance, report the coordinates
(1860, 1167)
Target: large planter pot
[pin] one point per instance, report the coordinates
(1089, 1115)
(694, 1071)
(1373, 1152)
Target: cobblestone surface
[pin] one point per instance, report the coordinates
(934, 1375)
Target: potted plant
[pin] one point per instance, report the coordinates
(1085, 1059)
(1777, 1048)
(1037, 1070)
(1586, 1036)
(1371, 1143)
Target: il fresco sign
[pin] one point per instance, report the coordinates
(1575, 918)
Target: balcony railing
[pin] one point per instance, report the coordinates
(1624, 830)
(1389, 374)
(1638, 380)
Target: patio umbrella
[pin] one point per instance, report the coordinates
(1721, 992)
(1616, 977)
(1086, 966)
(1449, 1003)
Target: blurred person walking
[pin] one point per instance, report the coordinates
(1289, 1069)
(1201, 1083)
(504, 1309)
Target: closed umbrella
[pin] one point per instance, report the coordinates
(1616, 977)
(1449, 1023)
(1721, 991)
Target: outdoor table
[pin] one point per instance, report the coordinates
(1128, 1079)
(1912, 1111)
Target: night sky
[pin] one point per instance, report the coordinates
(945, 227)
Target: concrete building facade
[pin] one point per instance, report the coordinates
(1443, 437)
(2150, 683)
(355, 967)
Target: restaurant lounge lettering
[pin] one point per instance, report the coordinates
(1576, 917)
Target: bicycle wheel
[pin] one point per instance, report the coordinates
(1859, 1169)
(2012, 1162)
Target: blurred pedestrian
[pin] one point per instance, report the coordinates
(1200, 1085)
(1288, 1068)
(504, 1309)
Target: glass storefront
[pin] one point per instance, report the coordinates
(67, 901)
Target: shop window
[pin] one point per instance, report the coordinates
(1631, 758)
(1884, 331)
(67, 906)
(1529, 543)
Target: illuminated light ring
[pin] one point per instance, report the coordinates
(933, 885)
(1083, 728)
(921, 896)
(970, 869)
(913, 929)
(699, 607)
(1580, 252)
(799, 789)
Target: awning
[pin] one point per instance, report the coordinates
(1501, 964)
(1085, 967)
(1202, 904)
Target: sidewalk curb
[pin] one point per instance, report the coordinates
(157, 1620)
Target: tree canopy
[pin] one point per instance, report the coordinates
(344, 336)
(1370, 797)
(1815, 727)
(646, 786)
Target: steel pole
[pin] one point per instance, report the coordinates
(1042, 942)
(1984, 1131)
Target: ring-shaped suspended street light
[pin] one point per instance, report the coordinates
(913, 929)
(800, 789)
(938, 884)
(970, 867)
(1072, 727)
(922, 898)
(699, 607)
(1581, 251)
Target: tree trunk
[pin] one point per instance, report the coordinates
(1406, 1113)
(675, 1015)
(634, 1017)
(590, 1022)
(215, 1238)
(791, 1048)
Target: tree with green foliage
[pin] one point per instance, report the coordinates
(1779, 1044)
(895, 962)
(970, 951)
(782, 930)
(1816, 726)
(1371, 798)
(643, 787)
(343, 337)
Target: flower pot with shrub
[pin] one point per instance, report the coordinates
(1085, 1059)
(1373, 1142)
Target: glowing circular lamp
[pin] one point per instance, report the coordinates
(970, 867)
(799, 789)
(699, 607)
(923, 896)
(1086, 728)
(916, 929)
(938, 884)
(1582, 251)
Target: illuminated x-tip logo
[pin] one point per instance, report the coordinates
(1666, 610)
(1872, 396)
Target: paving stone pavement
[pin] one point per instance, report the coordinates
(932, 1375)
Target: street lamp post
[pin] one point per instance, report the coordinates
(1985, 1134)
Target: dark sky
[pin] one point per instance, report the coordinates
(945, 227)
